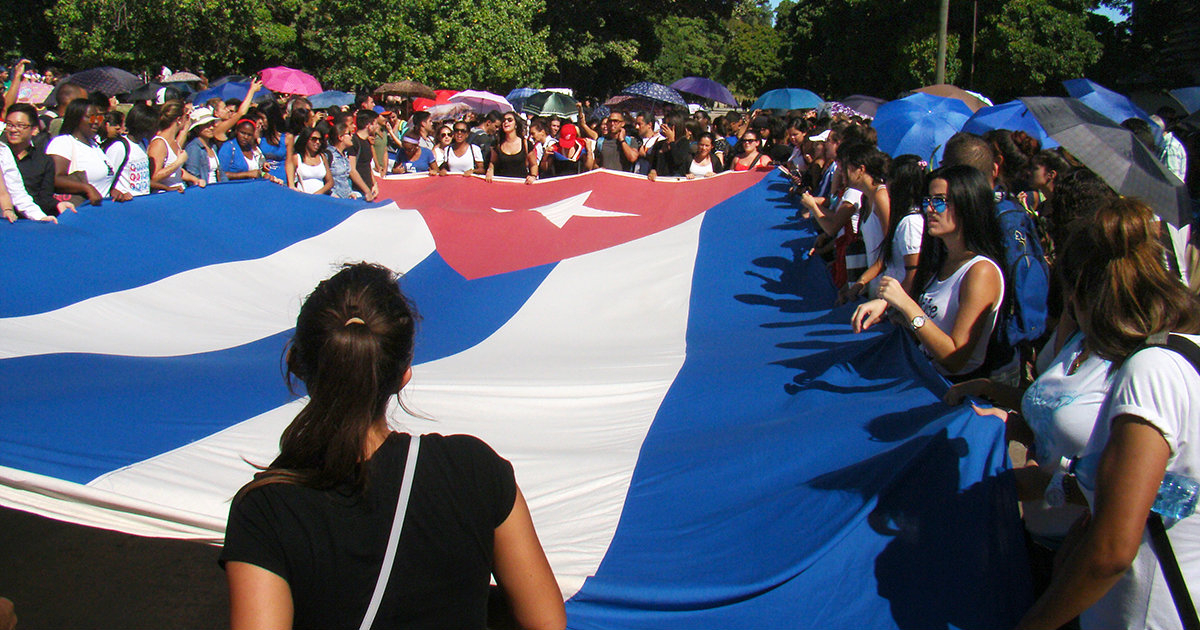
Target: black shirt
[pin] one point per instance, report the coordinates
(329, 544)
(37, 171)
(672, 158)
(364, 150)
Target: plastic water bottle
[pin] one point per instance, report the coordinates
(1177, 495)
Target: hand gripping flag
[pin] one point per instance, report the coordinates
(701, 440)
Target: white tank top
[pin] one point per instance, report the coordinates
(940, 303)
(311, 176)
(700, 170)
(176, 178)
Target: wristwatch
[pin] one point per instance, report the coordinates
(917, 322)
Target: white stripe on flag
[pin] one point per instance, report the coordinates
(566, 390)
(219, 306)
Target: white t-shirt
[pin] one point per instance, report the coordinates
(135, 177)
(88, 158)
(463, 163)
(1062, 409)
(872, 236)
(906, 242)
(1161, 387)
(940, 301)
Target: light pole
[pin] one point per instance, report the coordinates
(943, 22)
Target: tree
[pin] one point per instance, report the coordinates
(752, 63)
(1030, 46)
(689, 47)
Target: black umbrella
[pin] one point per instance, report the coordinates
(1113, 153)
(147, 92)
(107, 80)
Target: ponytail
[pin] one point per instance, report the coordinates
(351, 350)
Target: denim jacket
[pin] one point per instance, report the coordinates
(197, 161)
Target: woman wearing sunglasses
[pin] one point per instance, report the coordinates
(961, 285)
(511, 154)
(80, 166)
(751, 155)
(460, 156)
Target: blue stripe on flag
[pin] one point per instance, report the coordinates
(456, 313)
(81, 262)
(104, 420)
(797, 473)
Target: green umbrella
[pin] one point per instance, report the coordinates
(551, 104)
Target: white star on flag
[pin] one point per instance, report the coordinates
(562, 211)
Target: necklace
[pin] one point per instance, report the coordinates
(1083, 355)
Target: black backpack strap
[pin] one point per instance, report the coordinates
(1159, 541)
(124, 161)
(1170, 568)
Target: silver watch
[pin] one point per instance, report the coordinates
(917, 322)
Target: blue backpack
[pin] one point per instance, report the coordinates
(1023, 316)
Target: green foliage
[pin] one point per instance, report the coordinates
(917, 61)
(837, 47)
(690, 47)
(1030, 46)
(347, 43)
(752, 62)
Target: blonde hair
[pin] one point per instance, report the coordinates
(1113, 266)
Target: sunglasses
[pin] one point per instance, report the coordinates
(461, 130)
(443, 135)
(97, 119)
(937, 203)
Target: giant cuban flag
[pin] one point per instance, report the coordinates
(702, 440)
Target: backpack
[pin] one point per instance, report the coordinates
(1022, 317)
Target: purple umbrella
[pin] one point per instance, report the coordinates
(655, 92)
(705, 88)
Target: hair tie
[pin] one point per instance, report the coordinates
(922, 163)
(354, 320)
(246, 120)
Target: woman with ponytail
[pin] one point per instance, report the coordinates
(306, 540)
(1149, 426)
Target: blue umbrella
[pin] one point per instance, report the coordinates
(330, 98)
(518, 96)
(1112, 105)
(788, 98)
(231, 90)
(1013, 116)
(706, 89)
(655, 92)
(919, 124)
(235, 78)
(1189, 97)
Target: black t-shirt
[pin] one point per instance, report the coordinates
(364, 150)
(329, 544)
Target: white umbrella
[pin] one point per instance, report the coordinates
(447, 111)
(482, 102)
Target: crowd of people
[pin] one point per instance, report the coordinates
(1034, 288)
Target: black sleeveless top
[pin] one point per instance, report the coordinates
(511, 165)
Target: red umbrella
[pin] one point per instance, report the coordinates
(442, 98)
(290, 81)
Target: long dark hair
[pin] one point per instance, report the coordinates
(276, 124)
(300, 146)
(906, 187)
(974, 203)
(76, 110)
(352, 346)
